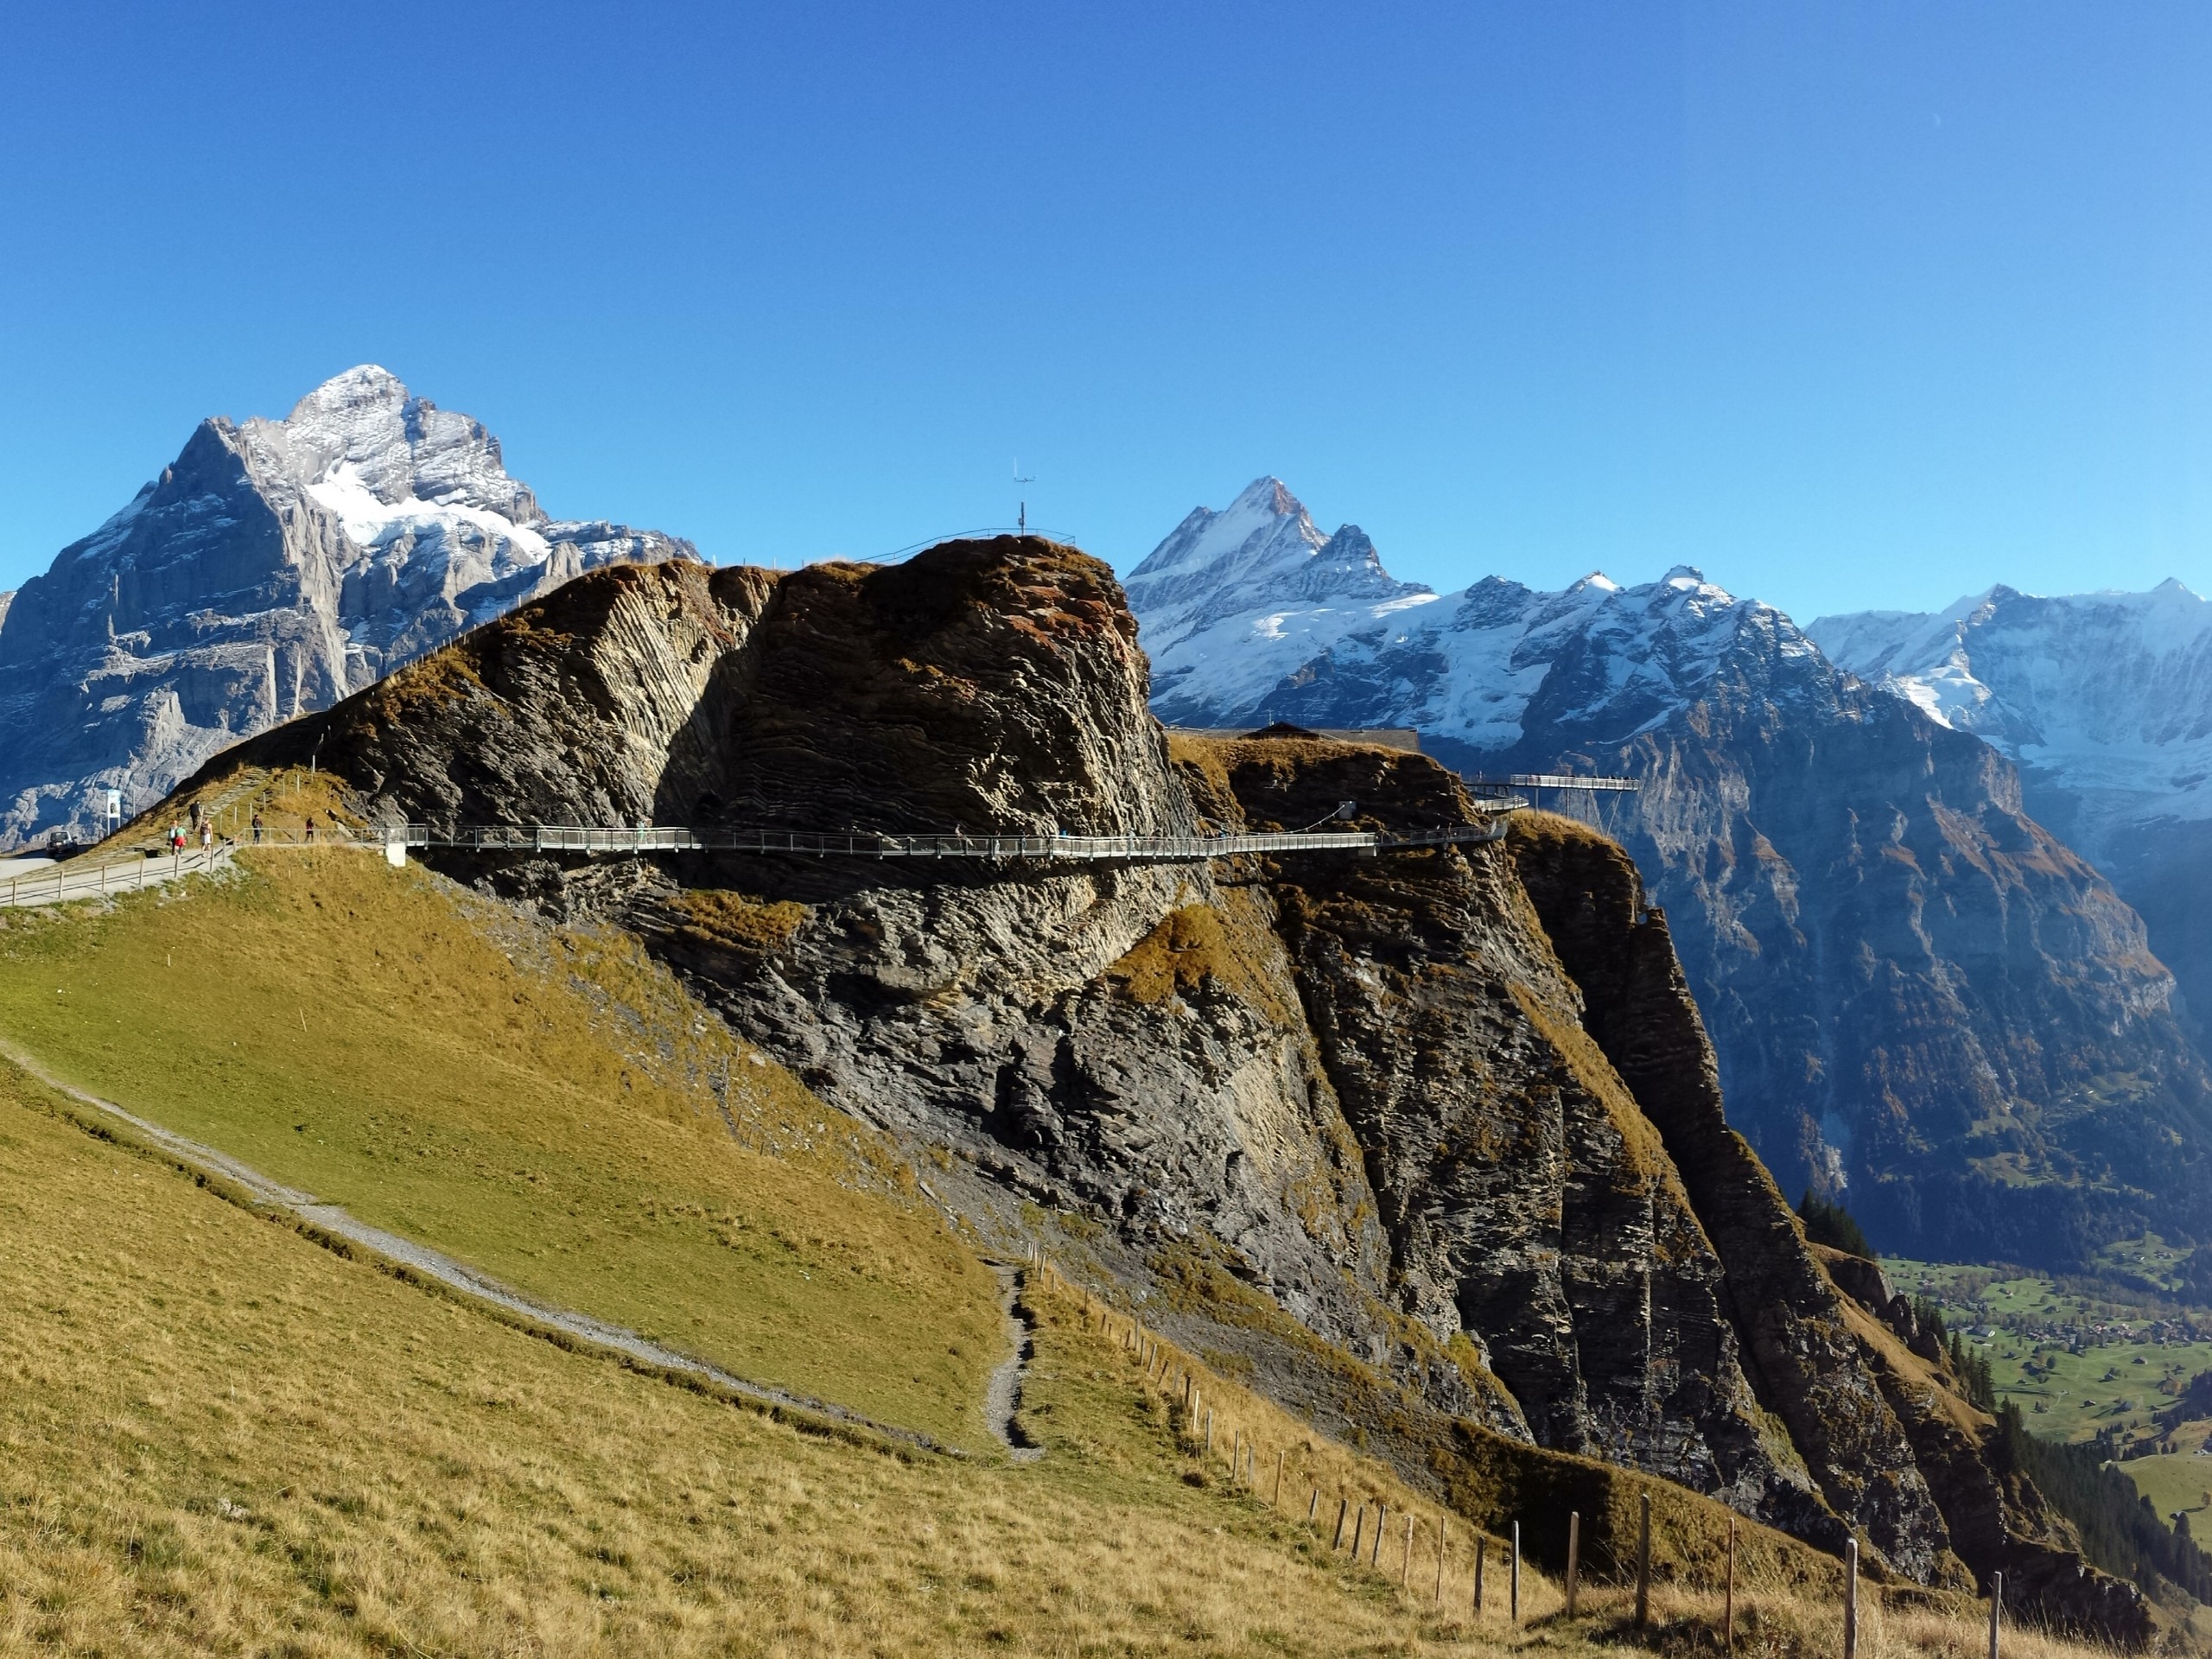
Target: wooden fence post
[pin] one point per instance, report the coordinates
(1375, 1551)
(1276, 1496)
(1405, 1564)
(1643, 1563)
(1443, 1542)
(1359, 1529)
(1344, 1508)
(1514, 1585)
(1209, 1431)
(1313, 1506)
(1574, 1555)
(1996, 1606)
(1482, 1549)
(1728, 1596)
(1851, 1599)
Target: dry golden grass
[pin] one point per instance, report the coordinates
(547, 1106)
(215, 1436)
(1787, 1600)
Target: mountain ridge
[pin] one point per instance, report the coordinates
(1353, 1123)
(2104, 702)
(1918, 994)
(271, 568)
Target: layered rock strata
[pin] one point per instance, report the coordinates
(1359, 1121)
(1919, 998)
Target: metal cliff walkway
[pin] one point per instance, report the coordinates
(622, 840)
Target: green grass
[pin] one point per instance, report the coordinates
(545, 1105)
(2176, 1481)
(2149, 1258)
(2117, 1384)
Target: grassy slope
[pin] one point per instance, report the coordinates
(542, 1105)
(216, 1436)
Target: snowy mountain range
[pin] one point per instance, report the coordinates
(1233, 601)
(273, 568)
(1916, 990)
(2104, 701)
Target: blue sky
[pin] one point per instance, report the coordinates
(1850, 306)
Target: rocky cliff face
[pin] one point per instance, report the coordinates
(2104, 702)
(1873, 1401)
(271, 568)
(1917, 992)
(1431, 1142)
(1917, 995)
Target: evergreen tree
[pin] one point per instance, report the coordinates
(1829, 1222)
(2121, 1532)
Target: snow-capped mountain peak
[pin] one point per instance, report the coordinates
(1606, 658)
(2103, 697)
(1252, 591)
(273, 567)
(363, 446)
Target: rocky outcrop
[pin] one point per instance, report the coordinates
(1398, 1134)
(1872, 1415)
(272, 569)
(1640, 1012)
(1917, 995)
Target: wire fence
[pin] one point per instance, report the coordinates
(85, 879)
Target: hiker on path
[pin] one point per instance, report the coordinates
(310, 829)
(257, 828)
(207, 835)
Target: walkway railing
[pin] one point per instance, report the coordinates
(91, 876)
(666, 838)
(1583, 782)
(96, 875)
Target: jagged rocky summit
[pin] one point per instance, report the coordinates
(1432, 1143)
(273, 568)
(2104, 702)
(1919, 995)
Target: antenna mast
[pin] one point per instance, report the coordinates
(1021, 519)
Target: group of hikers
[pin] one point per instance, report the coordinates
(203, 830)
